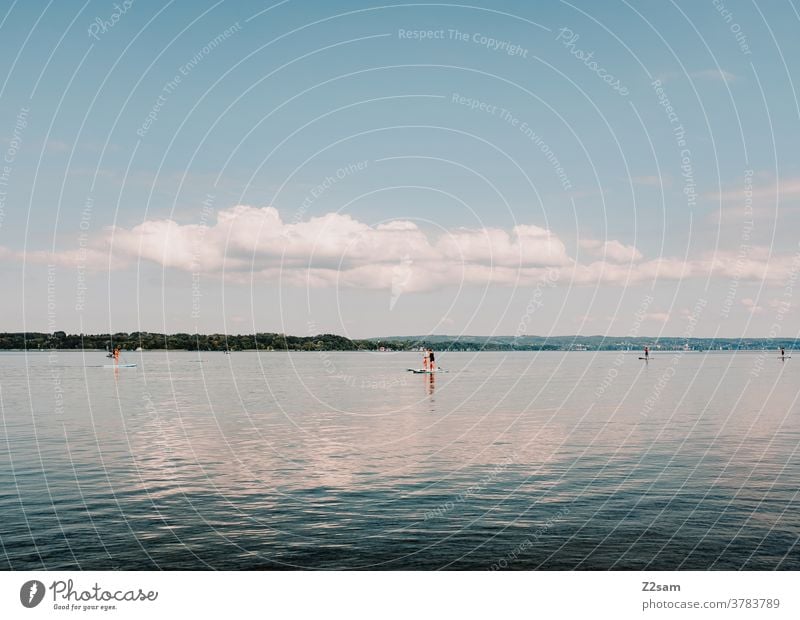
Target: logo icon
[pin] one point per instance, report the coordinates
(31, 593)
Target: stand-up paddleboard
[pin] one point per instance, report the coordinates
(784, 357)
(645, 358)
(423, 371)
(120, 366)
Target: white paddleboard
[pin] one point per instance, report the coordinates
(120, 366)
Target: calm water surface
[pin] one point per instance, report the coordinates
(344, 460)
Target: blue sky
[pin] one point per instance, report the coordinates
(517, 152)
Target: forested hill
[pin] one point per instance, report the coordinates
(333, 342)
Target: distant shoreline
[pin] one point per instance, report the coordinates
(148, 341)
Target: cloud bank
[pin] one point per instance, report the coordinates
(246, 244)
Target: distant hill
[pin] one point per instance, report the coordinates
(592, 343)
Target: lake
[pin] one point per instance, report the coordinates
(525, 460)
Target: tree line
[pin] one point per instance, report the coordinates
(32, 341)
(181, 341)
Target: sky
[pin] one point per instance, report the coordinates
(384, 169)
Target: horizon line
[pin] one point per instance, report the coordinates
(400, 337)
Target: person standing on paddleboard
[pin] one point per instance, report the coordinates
(647, 353)
(783, 352)
(431, 360)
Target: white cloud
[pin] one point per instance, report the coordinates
(769, 192)
(752, 306)
(611, 250)
(246, 244)
(332, 249)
